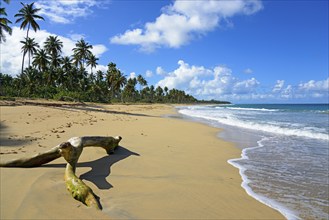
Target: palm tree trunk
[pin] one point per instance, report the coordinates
(27, 32)
(29, 59)
(23, 62)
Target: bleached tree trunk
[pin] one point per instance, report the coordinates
(71, 151)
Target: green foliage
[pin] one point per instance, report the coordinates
(4, 23)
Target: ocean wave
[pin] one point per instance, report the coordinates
(229, 119)
(251, 109)
(289, 214)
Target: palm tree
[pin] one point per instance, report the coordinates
(30, 78)
(66, 63)
(141, 81)
(92, 62)
(69, 71)
(111, 77)
(4, 23)
(30, 47)
(120, 81)
(54, 47)
(81, 52)
(159, 93)
(129, 90)
(99, 76)
(152, 92)
(27, 15)
(41, 60)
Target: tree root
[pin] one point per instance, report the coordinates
(71, 151)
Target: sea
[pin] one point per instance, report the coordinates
(285, 152)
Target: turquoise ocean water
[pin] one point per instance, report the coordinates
(285, 156)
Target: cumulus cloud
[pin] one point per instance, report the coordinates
(310, 89)
(132, 75)
(315, 89)
(67, 11)
(182, 21)
(11, 56)
(183, 75)
(208, 83)
(160, 71)
(220, 83)
(278, 86)
(317, 86)
(149, 73)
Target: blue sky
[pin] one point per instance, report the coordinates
(241, 51)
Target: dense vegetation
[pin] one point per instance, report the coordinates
(53, 76)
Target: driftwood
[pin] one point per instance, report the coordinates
(71, 151)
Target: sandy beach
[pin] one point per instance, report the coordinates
(165, 168)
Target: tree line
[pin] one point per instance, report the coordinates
(53, 76)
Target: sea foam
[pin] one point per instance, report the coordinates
(230, 119)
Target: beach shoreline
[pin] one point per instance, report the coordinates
(165, 167)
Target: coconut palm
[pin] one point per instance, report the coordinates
(27, 15)
(120, 81)
(81, 52)
(30, 47)
(111, 77)
(141, 81)
(69, 71)
(4, 27)
(66, 63)
(92, 62)
(31, 78)
(159, 93)
(54, 47)
(99, 76)
(129, 92)
(115, 79)
(41, 60)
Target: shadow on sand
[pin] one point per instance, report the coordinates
(6, 140)
(95, 108)
(101, 168)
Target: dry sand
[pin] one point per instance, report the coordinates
(166, 168)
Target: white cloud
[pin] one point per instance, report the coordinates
(220, 83)
(278, 86)
(98, 50)
(183, 75)
(99, 67)
(11, 56)
(310, 89)
(160, 71)
(132, 75)
(149, 73)
(66, 11)
(316, 86)
(287, 92)
(315, 89)
(208, 83)
(246, 86)
(182, 21)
